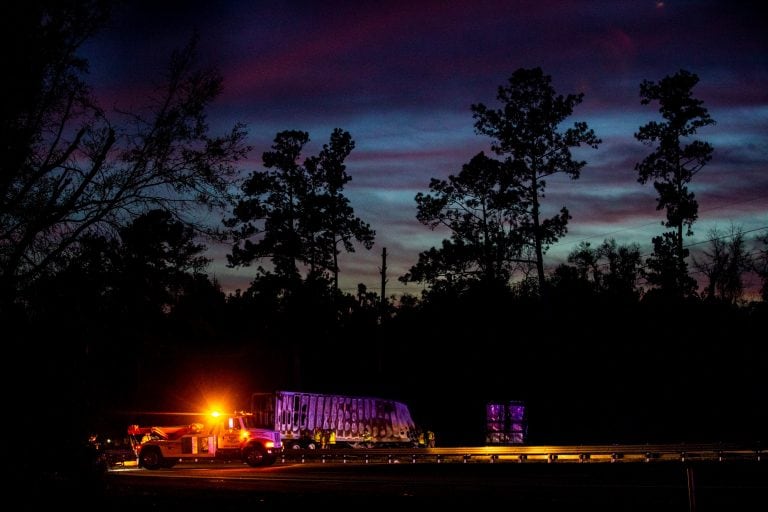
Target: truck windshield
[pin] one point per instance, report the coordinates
(250, 422)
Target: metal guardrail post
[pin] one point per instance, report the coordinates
(691, 488)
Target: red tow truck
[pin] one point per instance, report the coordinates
(220, 437)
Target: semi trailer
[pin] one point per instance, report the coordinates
(312, 420)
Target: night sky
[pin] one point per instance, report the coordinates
(401, 76)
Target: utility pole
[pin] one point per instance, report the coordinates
(383, 282)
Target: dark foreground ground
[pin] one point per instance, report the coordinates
(737, 486)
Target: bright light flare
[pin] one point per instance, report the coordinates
(216, 403)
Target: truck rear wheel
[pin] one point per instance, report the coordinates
(256, 455)
(301, 445)
(150, 458)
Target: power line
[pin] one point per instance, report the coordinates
(657, 222)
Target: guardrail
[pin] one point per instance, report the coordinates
(523, 454)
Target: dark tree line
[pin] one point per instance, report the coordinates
(492, 207)
(105, 217)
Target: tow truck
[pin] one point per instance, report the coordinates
(220, 437)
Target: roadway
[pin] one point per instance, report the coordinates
(704, 477)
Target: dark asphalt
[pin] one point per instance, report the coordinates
(534, 486)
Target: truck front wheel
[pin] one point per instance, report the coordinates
(150, 458)
(256, 455)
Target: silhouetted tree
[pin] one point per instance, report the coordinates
(760, 265)
(570, 287)
(159, 259)
(77, 300)
(332, 218)
(200, 314)
(71, 171)
(609, 271)
(362, 311)
(671, 166)
(526, 131)
(271, 209)
(133, 280)
(724, 265)
(480, 207)
(625, 270)
(586, 261)
(40, 41)
(295, 213)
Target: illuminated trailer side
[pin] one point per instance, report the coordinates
(310, 420)
(506, 422)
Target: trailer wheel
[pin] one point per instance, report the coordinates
(301, 445)
(256, 455)
(150, 458)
